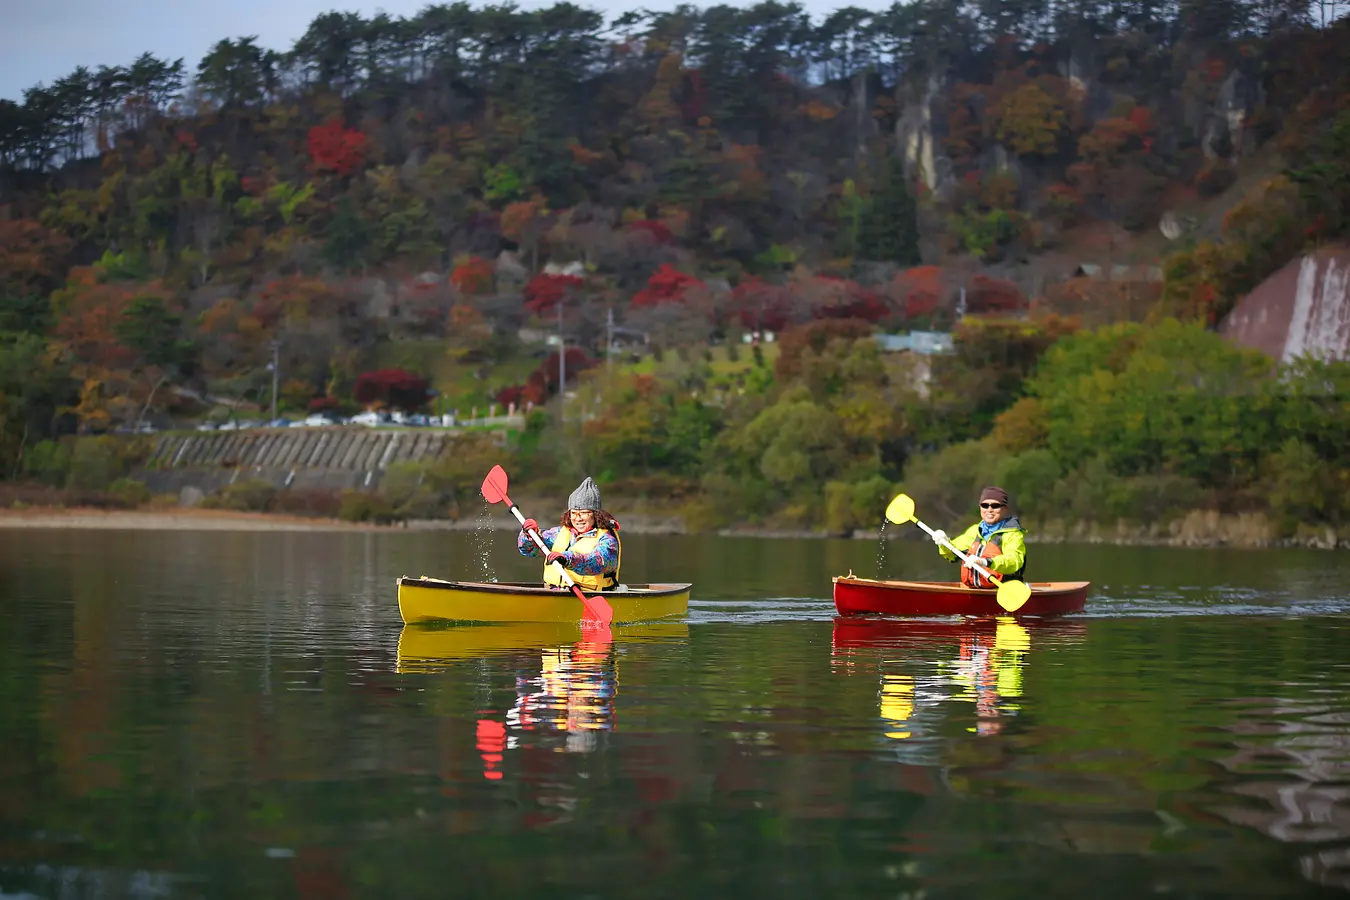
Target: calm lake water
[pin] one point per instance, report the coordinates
(243, 715)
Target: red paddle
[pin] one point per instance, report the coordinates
(494, 491)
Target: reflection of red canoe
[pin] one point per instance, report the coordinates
(855, 631)
(857, 596)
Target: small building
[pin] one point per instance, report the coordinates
(925, 343)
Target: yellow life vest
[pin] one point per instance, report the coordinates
(584, 544)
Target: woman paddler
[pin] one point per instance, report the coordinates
(998, 539)
(585, 542)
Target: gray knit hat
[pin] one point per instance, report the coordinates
(586, 496)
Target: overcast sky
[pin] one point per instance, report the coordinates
(42, 40)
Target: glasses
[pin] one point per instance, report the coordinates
(583, 512)
(991, 506)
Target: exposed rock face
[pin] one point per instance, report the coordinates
(918, 139)
(1303, 309)
(1174, 225)
(1225, 129)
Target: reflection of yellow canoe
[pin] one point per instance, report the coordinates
(431, 599)
(420, 647)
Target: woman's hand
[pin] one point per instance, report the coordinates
(555, 556)
(529, 525)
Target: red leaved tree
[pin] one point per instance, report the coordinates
(918, 291)
(544, 292)
(473, 276)
(667, 285)
(760, 305)
(335, 148)
(844, 299)
(993, 295)
(393, 388)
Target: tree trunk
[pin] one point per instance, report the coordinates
(154, 388)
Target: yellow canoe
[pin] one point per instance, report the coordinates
(422, 648)
(434, 600)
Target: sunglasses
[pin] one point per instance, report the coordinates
(991, 506)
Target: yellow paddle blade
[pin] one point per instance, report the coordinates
(1012, 594)
(901, 509)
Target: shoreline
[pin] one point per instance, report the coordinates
(1199, 529)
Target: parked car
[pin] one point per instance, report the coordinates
(206, 426)
(320, 419)
(280, 423)
(369, 418)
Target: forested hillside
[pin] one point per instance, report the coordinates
(412, 193)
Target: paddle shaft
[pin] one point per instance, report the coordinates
(539, 542)
(968, 560)
(598, 607)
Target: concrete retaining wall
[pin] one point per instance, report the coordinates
(309, 458)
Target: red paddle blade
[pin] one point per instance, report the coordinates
(596, 609)
(494, 485)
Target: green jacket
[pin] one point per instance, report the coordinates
(1011, 538)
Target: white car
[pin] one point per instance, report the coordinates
(318, 420)
(370, 418)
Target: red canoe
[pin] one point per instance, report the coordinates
(855, 596)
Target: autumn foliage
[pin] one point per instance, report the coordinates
(543, 381)
(666, 285)
(546, 291)
(473, 276)
(336, 149)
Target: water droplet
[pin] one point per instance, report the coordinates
(881, 550)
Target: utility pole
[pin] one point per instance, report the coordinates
(609, 344)
(276, 345)
(562, 366)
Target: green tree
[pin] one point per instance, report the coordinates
(890, 228)
(154, 332)
(347, 238)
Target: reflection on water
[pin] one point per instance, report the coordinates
(1295, 755)
(244, 716)
(980, 662)
(566, 678)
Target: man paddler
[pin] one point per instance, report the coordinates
(998, 540)
(585, 542)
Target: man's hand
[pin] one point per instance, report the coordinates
(939, 536)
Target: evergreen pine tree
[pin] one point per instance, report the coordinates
(347, 237)
(890, 227)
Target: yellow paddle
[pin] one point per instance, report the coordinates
(1011, 594)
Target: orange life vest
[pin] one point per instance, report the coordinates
(990, 548)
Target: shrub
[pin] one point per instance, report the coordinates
(48, 462)
(246, 496)
(95, 464)
(131, 492)
(359, 506)
(317, 503)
